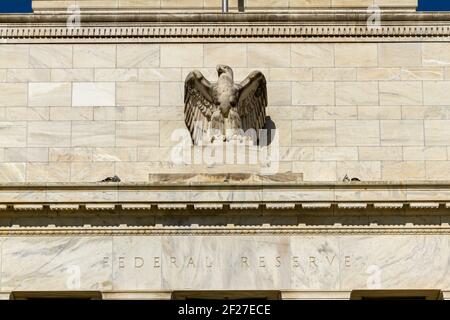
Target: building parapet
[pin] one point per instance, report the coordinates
(215, 5)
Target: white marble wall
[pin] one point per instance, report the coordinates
(162, 263)
(81, 112)
(54, 263)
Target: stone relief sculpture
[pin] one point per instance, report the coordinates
(225, 111)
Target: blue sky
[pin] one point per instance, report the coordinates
(434, 5)
(15, 6)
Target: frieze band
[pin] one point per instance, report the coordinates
(221, 33)
(196, 230)
(300, 26)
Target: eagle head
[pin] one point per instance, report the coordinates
(223, 69)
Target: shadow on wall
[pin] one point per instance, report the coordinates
(270, 129)
(258, 217)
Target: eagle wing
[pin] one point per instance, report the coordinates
(253, 102)
(198, 104)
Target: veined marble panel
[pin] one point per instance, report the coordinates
(395, 262)
(235, 262)
(257, 262)
(56, 263)
(314, 262)
(194, 263)
(141, 256)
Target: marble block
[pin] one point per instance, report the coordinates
(56, 263)
(408, 262)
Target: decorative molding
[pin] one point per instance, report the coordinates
(64, 207)
(136, 206)
(299, 26)
(388, 205)
(26, 207)
(105, 206)
(208, 206)
(254, 33)
(280, 206)
(316, 205)
(352, 206)
(244, 206)
(123, 230)
(214, 200)
(424, 205)
(172, 206)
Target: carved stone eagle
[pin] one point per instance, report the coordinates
(224, 110)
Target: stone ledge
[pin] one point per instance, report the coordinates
(332, 16)
(177, 179)
(227, 194)
(5, 295)
(133, 295)
(315, 295)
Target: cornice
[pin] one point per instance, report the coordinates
(185, 181)
(246, 194)
(241, 206)
(298, 26)
(248, 198)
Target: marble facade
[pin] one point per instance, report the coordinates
(168, 235)
(379, 115)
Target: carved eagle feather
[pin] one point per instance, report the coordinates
(224, 104)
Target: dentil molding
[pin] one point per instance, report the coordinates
(298, 26)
